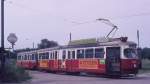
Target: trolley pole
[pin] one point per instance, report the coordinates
(2, 37)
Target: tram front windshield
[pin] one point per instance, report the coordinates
(130, 53)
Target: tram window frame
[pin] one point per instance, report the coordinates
(51, 55)
(47, 55)
(29, 57)
(79, 54)
(64, 54)
(73, 54)
(40, 56)
(43, 55)
(25, 57)
(32, 57)
(55, 54)
(18, 57)
(69, 54)
(100, 53)
(89, 53)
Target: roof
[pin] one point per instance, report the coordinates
(90, 43)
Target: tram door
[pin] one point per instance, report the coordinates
(113, 60)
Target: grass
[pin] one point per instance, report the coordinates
(145, 66)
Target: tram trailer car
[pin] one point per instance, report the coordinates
(115, 57)
(27, 60)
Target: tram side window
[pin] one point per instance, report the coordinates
(29, 57)
(89, 53)
(40, 56)
(47, 55)
(43, 55)
(99, 53)
(33, 57)
(80, 53)
(69, 55)
(25, 58)
(73, 54)
(55, 54)
(51, 56)
(64, 54)
(19, 57)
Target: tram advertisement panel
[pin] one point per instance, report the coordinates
(88, 64)
(43, 63)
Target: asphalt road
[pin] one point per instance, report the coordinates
(50, 78)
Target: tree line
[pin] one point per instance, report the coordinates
(45, 43)
(145, 53)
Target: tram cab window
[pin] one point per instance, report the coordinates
(130, 53)
(99, 53)
(89, 53)
(80, 53)
(64, 54)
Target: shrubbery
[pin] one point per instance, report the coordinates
(14, 73)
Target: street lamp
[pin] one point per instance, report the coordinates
(12, 38)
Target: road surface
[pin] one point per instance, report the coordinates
(50, 78)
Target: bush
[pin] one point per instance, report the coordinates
(13, 73)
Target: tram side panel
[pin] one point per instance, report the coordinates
(92, 66)
(83, 63)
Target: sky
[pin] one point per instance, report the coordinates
(33, 20)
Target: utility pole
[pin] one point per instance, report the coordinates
(2, 37)
(2, 24)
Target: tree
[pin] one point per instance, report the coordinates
(45, 43)
(146, 53)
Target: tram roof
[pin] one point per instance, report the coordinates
(112, 42)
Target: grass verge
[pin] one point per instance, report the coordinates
(145, 66)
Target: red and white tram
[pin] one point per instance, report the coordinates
(113, 56)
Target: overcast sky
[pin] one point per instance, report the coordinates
(33, 20)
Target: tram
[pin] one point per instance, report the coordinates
(106, 56)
